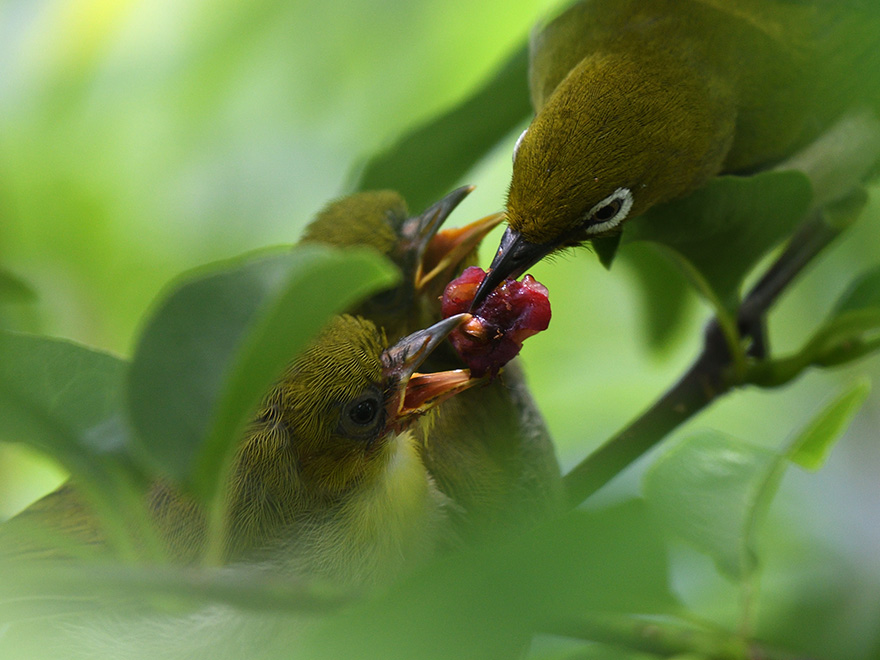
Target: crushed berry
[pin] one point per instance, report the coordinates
(508, 316)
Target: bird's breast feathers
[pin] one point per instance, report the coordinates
(385, 527)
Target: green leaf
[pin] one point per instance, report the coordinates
(488, 601)
(846, 339)
(851, 331)
(606, 248)
(710, 490)
(220, 338)
(853, 327)
(14, 289)
(662, 291)
(426, 163)
(723, 229)
(863, 293)
(843, 213)
(17, 308)
(561, 648)
(83, 586)
(483, 601)
(63, 399)
(811, 446)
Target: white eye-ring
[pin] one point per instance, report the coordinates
(610, 212)
(518, 142)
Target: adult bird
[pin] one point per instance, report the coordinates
(501, 467)
(640, 102)
(328, 480)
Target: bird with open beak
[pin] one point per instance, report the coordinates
(327, 481)
(499, 465)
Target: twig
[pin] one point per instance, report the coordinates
(709, 377)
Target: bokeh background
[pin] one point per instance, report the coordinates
(140, 138)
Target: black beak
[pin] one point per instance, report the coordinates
(515, 255)
(418, 231)
(407, 355)
(415, 393)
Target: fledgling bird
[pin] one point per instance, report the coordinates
(426, 256)
(640, 102)
(497, 462)
(328, 481)
(328, 485)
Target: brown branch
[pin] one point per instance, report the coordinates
(709, 377)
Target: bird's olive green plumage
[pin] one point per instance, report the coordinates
(60, 524)
(328, 479)
(639, 102)
(307, 485)
(377, 220)
(494, 459)
(351, 497)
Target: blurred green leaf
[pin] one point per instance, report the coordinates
(566, 649)
(482, 601)
(606, 248)
(710, 490)
(812, 445)
(863, 293)
(14, 289)
(107, 609)
(220, 338)
(87, 585)
(488, 601)
(843, 213)
(662, 291)
(724, 228)
(426, 163)
(17, 308)
(64, 399)
(846, 338)
(853, 327)
(851, 331)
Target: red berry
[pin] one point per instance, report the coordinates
(508, 316)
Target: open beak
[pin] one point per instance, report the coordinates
(438, 254)
(515, 255)
(449, 248)
(414, 394)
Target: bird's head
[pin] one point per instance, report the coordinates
(622, 132)
(333, 422)
(427, 256)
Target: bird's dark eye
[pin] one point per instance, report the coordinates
(363, 418)
(364, 412)
(608, 211)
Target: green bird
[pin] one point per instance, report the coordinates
(496, 461)
(328, 480)
(426, 256)
(640, 102)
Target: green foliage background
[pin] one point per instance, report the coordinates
(142, 138)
